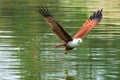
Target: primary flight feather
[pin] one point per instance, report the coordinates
(70, 42)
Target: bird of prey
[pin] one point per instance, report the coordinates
(56, 27)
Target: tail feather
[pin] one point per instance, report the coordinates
(60, 45)
(63, 44)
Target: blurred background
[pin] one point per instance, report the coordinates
(27, 44)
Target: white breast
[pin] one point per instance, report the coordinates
(75, 42)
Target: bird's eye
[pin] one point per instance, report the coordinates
(79, 40)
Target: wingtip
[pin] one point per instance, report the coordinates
(97, 15)
(43, 10)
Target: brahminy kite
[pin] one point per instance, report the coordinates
(70, 42)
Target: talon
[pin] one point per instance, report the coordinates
(65, 52)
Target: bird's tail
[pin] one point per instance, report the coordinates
(60, 45)
(63, 44)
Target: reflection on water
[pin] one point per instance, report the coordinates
(26, 42)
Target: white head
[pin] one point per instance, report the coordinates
(75, 42)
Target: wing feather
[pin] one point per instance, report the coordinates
(54, 24)
(89, 24)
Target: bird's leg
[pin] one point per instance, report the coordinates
(65, 52)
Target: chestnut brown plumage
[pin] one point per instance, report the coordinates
(56, 27)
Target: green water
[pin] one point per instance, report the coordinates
(27, 44)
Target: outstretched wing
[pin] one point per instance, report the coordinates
(89, 24)
(55, 26)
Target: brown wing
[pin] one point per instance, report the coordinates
(89, 24)
(55, 26)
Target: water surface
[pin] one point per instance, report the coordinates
(27, 44)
